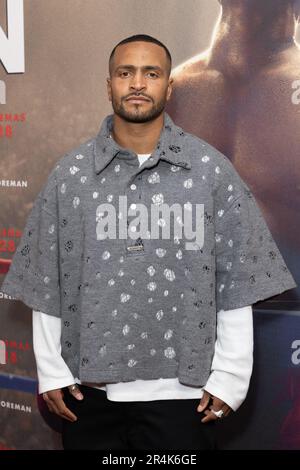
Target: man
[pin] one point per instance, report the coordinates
(131, 312)
(246, 82)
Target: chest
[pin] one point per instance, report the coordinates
(142, 217)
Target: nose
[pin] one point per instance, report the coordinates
(138, 82)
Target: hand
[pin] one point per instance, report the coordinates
(216, 405)
(56, 404)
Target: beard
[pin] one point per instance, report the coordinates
(137, 115)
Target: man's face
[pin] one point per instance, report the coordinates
(139, 85)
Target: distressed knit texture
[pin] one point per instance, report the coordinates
(144, 308)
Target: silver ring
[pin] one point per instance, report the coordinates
(218, 414)
(73, 387)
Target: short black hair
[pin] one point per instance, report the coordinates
(143, 38)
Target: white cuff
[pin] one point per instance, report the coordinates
(52, 371)
(233, 358)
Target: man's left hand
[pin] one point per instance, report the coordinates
(213, 407)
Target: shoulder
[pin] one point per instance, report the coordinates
(198, 147)
(72, 162)
(207, 159)
(196, 68)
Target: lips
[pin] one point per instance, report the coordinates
(137, 98)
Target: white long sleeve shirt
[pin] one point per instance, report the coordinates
(229, 378)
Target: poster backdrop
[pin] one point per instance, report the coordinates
(237, 85)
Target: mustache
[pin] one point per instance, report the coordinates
(137, 94)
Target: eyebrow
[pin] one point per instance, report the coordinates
(145, 67)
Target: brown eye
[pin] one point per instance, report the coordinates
(153, 74)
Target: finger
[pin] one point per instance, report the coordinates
(75, 391)
(53, 408)
(226, 410)
(60, 408)
(67, 414)
(218, 403)
(48, 403)
(204, 401)
(45, 397)
(209, 417)
(211, 413)
(50, 408)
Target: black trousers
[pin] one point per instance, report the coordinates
(142, 425)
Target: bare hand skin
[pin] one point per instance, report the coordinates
(56, 404)
(216, 405)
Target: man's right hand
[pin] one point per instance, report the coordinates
(56, 404)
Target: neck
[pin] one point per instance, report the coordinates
(139, 137)
(250, 35)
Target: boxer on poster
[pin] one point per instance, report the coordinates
(242, 96)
